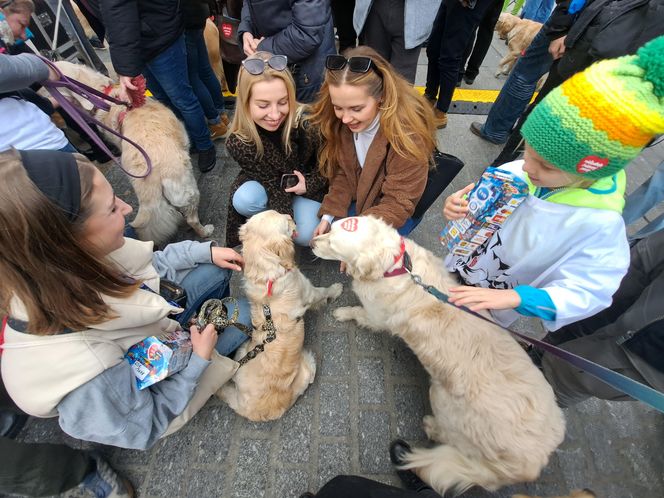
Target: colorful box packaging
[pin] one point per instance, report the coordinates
(156, 357)
(495, 197)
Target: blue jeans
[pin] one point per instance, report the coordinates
(644, 198)
(208, 281)
(518, 89)
(201, 76)
(168, 80)
(69, 148)
(251, 198)
(537, 10)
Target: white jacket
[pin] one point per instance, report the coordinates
(578, 255)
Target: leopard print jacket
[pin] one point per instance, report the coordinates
(268, 170)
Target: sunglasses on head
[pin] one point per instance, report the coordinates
(358, 64)
(258, 66)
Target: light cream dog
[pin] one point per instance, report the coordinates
(268, 385)
(518, 33)
(170, 191)
(493, 411)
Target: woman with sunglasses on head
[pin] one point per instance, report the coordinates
(275, 148)
(77, 295)
(378, 142)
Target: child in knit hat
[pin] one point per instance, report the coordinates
(563, 252)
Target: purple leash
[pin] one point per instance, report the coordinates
(100, 101)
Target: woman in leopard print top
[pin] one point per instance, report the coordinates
(268, 139)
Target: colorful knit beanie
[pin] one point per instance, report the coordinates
(600, 119)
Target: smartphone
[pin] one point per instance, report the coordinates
(289, 180)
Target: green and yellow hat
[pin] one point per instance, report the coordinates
(600, 119)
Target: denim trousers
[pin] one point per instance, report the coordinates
(208, 281)
(201, 76)
(251, 198)
(168, 80)
(518, 89)
(537, 10)
(644, 198)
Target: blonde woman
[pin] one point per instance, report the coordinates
(276, 150)
(378, 143)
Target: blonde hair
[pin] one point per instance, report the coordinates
(406, 119)
(45, 261)
(19, 7)
(243, 126)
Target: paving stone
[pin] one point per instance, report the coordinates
(371, 380)
(296, 434)
(408, 412)
(368, 342)
(251, 474)
(373, 426)
(211, 442)
(334, 412)
(290, 483)
(167, 478)
(205, 483)
(333, 459)
(335, 351)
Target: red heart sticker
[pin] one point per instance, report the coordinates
(591, 163)
(349, 224)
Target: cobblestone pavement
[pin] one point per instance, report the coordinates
(370, 389)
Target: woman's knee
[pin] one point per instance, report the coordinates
(306, 218)
(250, 199)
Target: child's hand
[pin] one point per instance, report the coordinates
(300, 188)
(479, 298)
(202, 343)
(456, 206)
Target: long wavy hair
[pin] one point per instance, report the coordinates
(406, 119)
(243, 126)
(44, 259)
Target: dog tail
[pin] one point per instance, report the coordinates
(156, 220)
(445, 469)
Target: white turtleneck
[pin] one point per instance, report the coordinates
(362, 141)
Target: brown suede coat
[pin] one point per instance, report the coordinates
(389, 186)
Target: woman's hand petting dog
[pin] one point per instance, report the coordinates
(456, 206)
(203, 342)
(323, 227)
(225, 257)
(479, 298)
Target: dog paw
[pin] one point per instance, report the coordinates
(429, 426)
(335, 291)
(345, 314)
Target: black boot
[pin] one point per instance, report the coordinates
(207, 159)
(398, 451)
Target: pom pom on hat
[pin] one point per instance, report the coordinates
(598, 120)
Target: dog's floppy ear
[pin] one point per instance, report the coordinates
(283, 247)
(369, 265)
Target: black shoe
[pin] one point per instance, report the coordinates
(96, 43)
(16, 423)
(476, 128)
(398, 451)
(468, 79)
(207, 159)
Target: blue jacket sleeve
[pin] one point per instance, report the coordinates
(110, 409)
(179, 256)
(535, 302)
(20, 71)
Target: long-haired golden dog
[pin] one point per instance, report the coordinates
(493, 411)
(170, 191)
(518, 33)
(268, 385)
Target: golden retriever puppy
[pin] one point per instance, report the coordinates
(518, 33)
(170, 191)
(269, 384)
(494, 413)
(577, 493)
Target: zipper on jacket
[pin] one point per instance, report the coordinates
(549, 193)
(631, 333)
